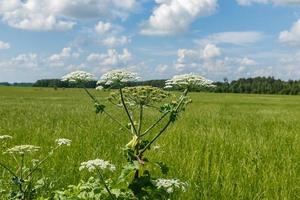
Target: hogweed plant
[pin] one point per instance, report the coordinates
(136, 181)
(24, 184)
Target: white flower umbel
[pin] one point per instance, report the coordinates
(99, 88)
(63, 141)
(78, 76)
(170, 185)
(92, 165)
(191, 81)
(5, 137)
(23, 149)
(118, 77)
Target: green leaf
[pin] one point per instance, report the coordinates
(128, 171)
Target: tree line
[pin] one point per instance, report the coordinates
(257, 85)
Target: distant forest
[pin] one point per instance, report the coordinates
(258, 85)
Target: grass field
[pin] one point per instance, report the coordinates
(227, 146)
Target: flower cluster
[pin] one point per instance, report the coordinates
(63, 141)
(5, 137)
(78, 76)
(170, 185)
(191, 81)
(140, 95)
(23, 149)
(118, 77)
(92, 165)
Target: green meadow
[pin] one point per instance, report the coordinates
(226, 146)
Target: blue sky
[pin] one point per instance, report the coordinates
(156, 38)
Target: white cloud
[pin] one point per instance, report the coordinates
(111, 58)
(187, 56)
(24, 62)
(103, 28)
(45, 15)
(4, 45)
(161, 68)
(236, 38)
(61, 58)
(292, 36)
(275, 2)
(114, 41)
(247, 62)
(175, 16)
(211, 51)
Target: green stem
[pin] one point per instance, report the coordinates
(155, 138)
(105, 185)
(22, 164)
(168, 123)
(127, 112)
(154, 124)
(140, 120)
(109, 115)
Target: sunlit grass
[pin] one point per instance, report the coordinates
(227, 146)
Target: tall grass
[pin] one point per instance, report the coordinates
(227, 146)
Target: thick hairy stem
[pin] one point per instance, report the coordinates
(127, 112)
(105, 185)
(168, 123)
(109, 115)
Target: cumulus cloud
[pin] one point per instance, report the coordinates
(291, 36)
(4, 45)
(24, 62)
(275, 2)
(187, 56)
(211, 51)
(175, 16)
(111, 58)
(247, 61)
(210, 61)
(103, 28)
(44, 15)
(61, 58)
(236, 38)
(114, 41)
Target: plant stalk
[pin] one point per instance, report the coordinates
(109, 115)
(127, 111)
(105, 185)
(168, 123)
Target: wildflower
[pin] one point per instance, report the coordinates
(170, 185)
(118, 77)
(5, 137)
(188, 81)
(23, 149)
(92, 165)
(78, 76)
(99, 87)
(63, 141)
